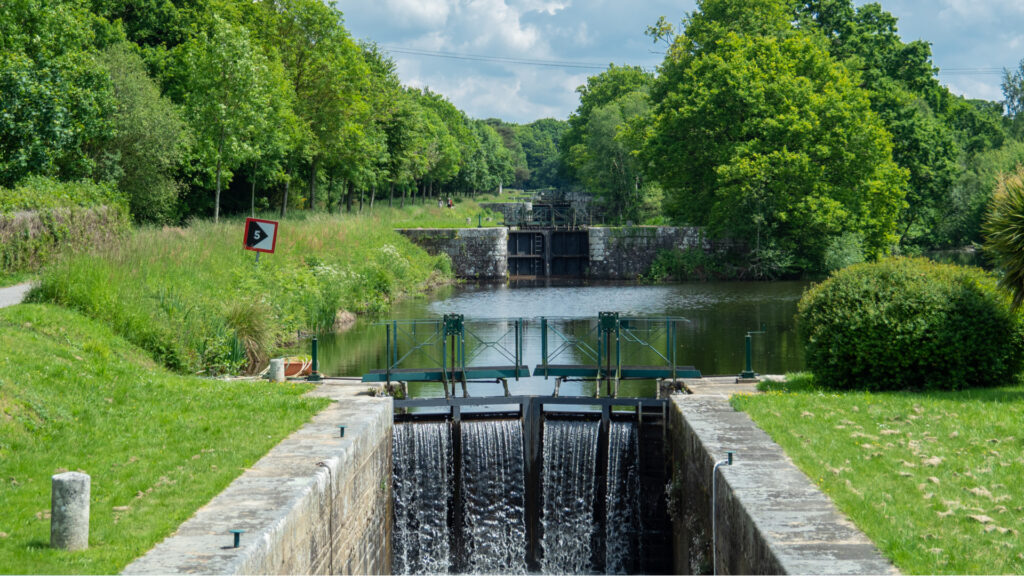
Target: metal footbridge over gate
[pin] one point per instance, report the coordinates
(605, 350)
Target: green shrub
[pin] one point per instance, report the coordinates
(681, 266)
(909, 323)
(38, 193)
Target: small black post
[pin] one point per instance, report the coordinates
(314, 375)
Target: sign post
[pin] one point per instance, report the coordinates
(260, 236)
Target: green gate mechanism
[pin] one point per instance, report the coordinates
(606, 350)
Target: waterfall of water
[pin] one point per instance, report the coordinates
(570, 457)
(422, 489)
(623, 502)
(493, 494)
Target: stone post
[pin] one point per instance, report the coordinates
(277, 369)
(69, 511)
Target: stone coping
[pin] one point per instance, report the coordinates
(771, 517)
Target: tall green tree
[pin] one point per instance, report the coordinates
(606, 162)
(600, 90)
(934, 133)
(759, 134)
(227, 87)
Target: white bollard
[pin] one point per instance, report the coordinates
(277, 369)
(69, 511)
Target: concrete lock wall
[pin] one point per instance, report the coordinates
(315, 504)
(627, 252)
(477, 253)
(770, 518)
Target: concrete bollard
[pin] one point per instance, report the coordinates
(277, 369)
(69, 511)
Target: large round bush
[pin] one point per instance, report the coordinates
(910, 323)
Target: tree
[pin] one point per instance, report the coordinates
(758, 134)
(935, 134)
(56, 99)
(540, 141)
(330, 79)
(606, 162)
(227, 87)
(1013, 97)
(600, 90)
(149, 140)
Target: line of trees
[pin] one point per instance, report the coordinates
(191, 108)
(808, 129)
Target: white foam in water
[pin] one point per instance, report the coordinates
(623, 502)
(494, 523)
(570, 457)
(422, 488)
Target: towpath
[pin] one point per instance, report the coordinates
(12, 295)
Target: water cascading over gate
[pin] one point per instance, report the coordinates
(422, 455)
(468, 513)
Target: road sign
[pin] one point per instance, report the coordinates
(260, 235)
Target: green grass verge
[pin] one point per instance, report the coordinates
(196, 300)
(74, 396)
(935, 479)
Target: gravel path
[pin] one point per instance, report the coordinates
(13, 294)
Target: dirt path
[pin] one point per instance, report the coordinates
(12, 295)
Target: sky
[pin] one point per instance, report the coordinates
(521, 60)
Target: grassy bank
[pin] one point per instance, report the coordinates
(198, 302)
(935, 479)
(74, 396)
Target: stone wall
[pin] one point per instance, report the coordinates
(477, 253)
(627, 252)
(770, 518)
(315, 504)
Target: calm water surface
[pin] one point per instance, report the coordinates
(711, 338)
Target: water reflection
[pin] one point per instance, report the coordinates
(711, 338)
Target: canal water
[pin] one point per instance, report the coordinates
(715, 318)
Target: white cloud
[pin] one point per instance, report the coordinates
(979, 10)
(549, 8)
(974, 88)
(418, 13)
(495, 25)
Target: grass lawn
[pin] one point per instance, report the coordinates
(74, 396)
(935, 479)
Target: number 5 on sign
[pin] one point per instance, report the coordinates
(260, 235)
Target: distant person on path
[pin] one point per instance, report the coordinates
(440, 202)
(450, 205)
